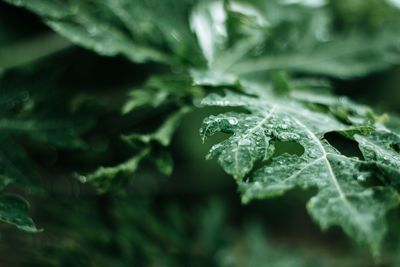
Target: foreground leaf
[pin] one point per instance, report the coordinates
(342, 198)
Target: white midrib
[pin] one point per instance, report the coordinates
(324, 156)
(250, 132)
(334, 178)
(294, 175)
(260, 123)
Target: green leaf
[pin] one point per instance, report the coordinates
(112, 178)
(18, 54)
(342, 198)
(151, 146)
(17, 119)
(61, 133)
(157, 92)
(243, 44)
(342, 57)
(208, 20)
(163, 134)
(14, 210)
(381, 149)
(235, 38)
(15, 167)
(263, 36)
(163, 161)
(122, 27)
(160, 90)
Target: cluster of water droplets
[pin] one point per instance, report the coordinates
(289, 136)
(285, 131)
(233, 121)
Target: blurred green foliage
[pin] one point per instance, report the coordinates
(66, 110)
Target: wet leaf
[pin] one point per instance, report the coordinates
(342, 199)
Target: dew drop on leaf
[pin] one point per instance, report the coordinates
(257, 185)
(312, 155)
(269, 170)
(233, 121)
(362, 177)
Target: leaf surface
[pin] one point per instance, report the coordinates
(14, 210)
(121, 26)
(234, 38)
(342, 198)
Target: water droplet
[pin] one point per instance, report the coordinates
(233, 121)
(362, 177)
(268, 170)
(228, 159)
(257, 185)
(283, 137)
(221, 102)
(312, 155)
